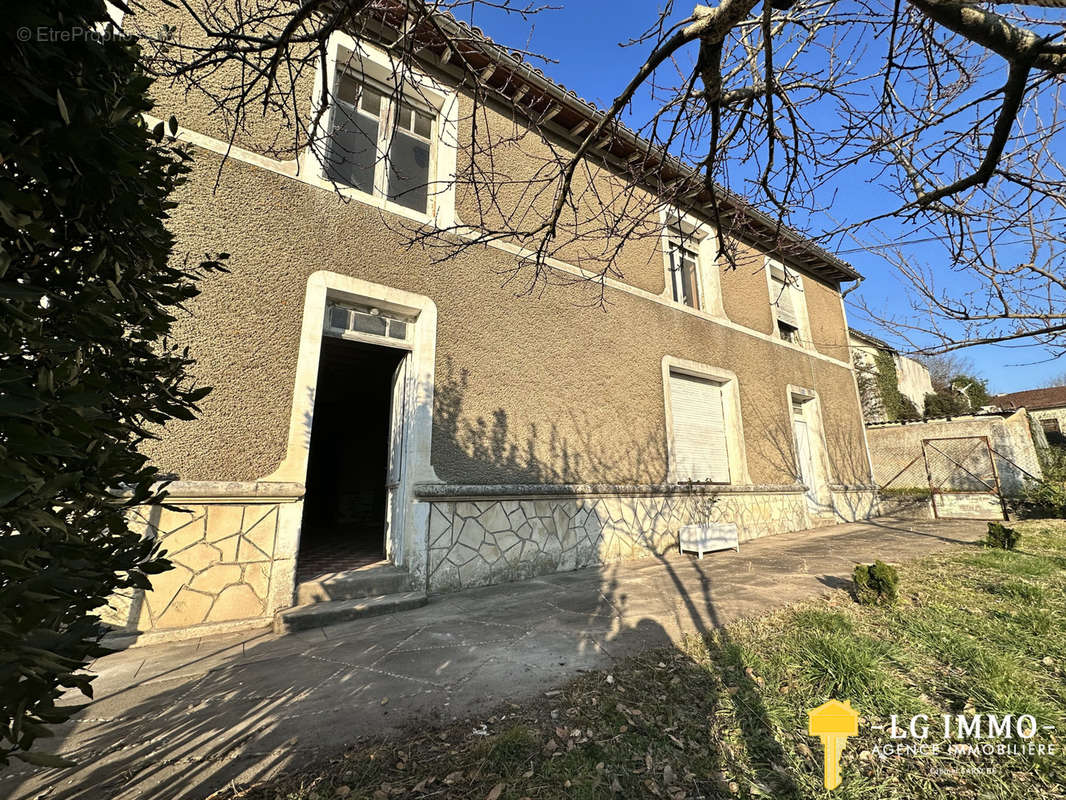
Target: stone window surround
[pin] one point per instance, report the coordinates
(699, 236)
(737, 451)
(441, 99)
(406, 544)
(820, 457)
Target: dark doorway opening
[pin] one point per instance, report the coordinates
(344, 514)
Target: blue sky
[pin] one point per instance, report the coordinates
(583, 38)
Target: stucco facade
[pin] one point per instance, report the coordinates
(534, 435)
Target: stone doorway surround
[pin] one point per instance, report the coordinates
(406, 540)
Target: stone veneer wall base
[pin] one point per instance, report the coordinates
(233, 547)
(481, 535)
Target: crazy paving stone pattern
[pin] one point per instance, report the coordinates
(475, 543)
(222, 555)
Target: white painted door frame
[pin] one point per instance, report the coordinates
(407, 537)
(805, 461)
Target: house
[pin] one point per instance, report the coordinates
(877, 363)
(1046, 406)
(388, 426)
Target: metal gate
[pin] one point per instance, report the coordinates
(963, 479)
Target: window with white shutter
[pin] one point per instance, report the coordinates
(786, 298)
(699, 429)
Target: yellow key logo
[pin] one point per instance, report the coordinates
(833, 723)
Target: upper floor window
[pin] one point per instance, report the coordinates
(689, 249)
(787, 301)
(684, 270)
(380, 143)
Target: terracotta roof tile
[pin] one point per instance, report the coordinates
(1033, 399)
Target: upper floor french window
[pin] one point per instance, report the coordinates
(380, 142)
(684, 269)
(690, 249)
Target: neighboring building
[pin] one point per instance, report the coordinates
(912, 377)
(371, 405)
(1046, 406)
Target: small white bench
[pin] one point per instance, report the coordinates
(708, 537)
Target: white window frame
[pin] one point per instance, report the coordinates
(375, 309)
(795, 286)
(698, 237)
(368, 63)
(736, 451)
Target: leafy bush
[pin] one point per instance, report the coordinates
(1001, 537)
(1044, 498)
(876, 584)
(1040, 500)
(87, 296)
(962, 394)
(945, 404)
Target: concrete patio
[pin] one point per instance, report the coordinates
(183, 720)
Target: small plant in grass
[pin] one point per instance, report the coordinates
(1001, 537)
(876, 584)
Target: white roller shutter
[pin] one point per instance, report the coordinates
(784, 296)
(700, 452)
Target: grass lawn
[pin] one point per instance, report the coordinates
(975, 631)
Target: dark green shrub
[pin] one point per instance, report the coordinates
(876, 584)
(88, 293)
(1002, 537)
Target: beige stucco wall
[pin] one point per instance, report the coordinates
(632, 239)
(550, 387)
(529, 389)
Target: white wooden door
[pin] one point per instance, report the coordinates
(805, 462)
(394, 508)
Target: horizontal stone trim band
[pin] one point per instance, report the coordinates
(858, 487)
(234, 491)
(517, 491)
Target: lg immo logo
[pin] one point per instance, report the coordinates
(956, 735)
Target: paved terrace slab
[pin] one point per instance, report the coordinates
(182, 720)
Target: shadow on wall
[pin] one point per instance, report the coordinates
(848, 498)
(489, 448)
(484, 535)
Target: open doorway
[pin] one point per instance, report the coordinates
(346, 505)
